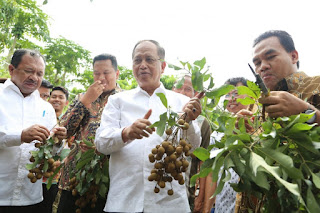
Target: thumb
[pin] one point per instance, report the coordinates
(147, 115)
(200, 95)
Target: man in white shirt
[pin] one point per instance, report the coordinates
(25, 118)
(124, 134)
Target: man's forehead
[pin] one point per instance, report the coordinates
(145, 47)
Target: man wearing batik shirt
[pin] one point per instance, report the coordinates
(81, 120)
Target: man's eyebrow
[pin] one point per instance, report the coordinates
(270, 51)
(266, 53)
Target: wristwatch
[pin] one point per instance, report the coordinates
(313, 118)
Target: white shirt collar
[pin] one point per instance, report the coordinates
(9, 84)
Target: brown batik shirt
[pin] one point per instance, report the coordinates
(81, 123)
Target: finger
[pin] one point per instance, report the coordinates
(200, 95)
(149, 130)
(147, 115)
(145, 134)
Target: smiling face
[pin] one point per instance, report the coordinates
(105, 72)
(27, 76)
(147, 67)
(234, 106)
(273, 62)
(58, 100)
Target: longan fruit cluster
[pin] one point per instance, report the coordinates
(89, 197)
(169, 161)
(38, 172)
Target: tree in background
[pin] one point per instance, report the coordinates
(21, 21)
(65, 60)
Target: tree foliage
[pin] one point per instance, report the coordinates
(20, 22)
(278, 163)
(67, 60)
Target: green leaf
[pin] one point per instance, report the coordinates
(222, 90)
(200, 63)
(312, 203)
(52, 176)
(155, 124)
(220, 184)
(64, 153)
(197, 80)
(216, 167)
(163, 99)
(284, 160)
(102, 190)
(174, 67)
(243, 90)
(257, 161)
(298, 127)
(82, 163)
(162, 124)
(303, 140)
(46, 166)
(179, 83)
(246, 101)
(201, 153)
(316, 180)
(88, 143)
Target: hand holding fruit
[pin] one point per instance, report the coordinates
(93, 92)
(193, 107)
(35, 132)
(139, 129)
(60, 132)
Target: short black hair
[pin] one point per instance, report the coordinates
(161, 51)
(18, 54)
(285, 40)
(64, 90)
(105, 56)
(236, 80)
(46, 84)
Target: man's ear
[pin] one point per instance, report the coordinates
(163, 66)
(294, 56)
(11, 68)
(117, 74)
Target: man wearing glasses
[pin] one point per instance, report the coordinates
(125, 135)
(25, 118)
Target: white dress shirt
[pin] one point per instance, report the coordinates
(129, 166)
(18, 113)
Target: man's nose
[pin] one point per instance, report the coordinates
(264, 66)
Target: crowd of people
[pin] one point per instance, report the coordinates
(118, 123)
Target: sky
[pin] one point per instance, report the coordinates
(221, 31)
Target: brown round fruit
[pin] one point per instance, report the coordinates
(183, 142)
(51, 161)
(33, 180)
(74, 192)
(169, 131)
(156, 190)
(30, 175)
(185, 126)
(181, 121)
(170, 192)
(37, 145)
(162, 184)
(154, 151)
(151, 158)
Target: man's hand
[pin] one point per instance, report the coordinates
(35, 132)
(245, 114)
(193, 107)
(139, 129)
(60, 132)
(93, 92)
(281, 103)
